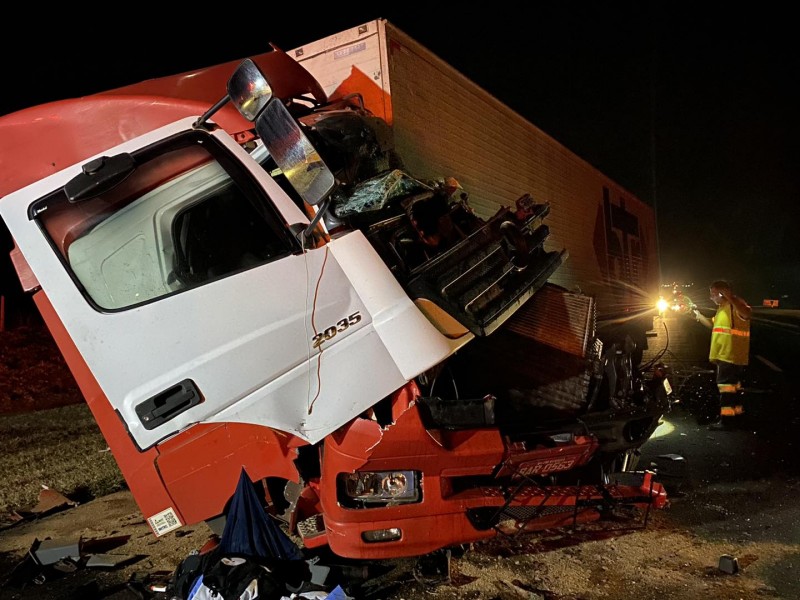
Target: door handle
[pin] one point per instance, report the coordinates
(168, 404)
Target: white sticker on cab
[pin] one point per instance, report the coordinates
(164, 522)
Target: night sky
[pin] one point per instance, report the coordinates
(692, 110)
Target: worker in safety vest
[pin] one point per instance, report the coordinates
(730, 345)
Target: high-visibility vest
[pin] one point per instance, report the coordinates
(730, 337)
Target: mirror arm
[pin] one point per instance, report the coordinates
(210, 112)
(306, 233)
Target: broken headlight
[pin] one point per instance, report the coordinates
(378, 488)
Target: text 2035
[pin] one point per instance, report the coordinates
(331, 331)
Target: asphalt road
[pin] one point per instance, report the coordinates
(762, 442)
(740, 482)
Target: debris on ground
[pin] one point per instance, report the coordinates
(252, 559)
(52, 559)
(728, 564)
(50, 501)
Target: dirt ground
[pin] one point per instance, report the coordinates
(676, 555)
(732, 492)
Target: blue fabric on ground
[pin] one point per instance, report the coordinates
(250, 531)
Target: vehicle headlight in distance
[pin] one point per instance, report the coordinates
(383, 488)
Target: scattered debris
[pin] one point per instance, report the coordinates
(433, 569)
(51, 559)
(728, 564)
(253, 558)
(673, 471)
(50, 551)
(103, 545)
(671, 456)
(49, 502)
(111, 561)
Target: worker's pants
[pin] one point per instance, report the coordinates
(729, 383)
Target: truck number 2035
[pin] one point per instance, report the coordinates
(334, 329)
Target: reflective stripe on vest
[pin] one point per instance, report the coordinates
(729, 331)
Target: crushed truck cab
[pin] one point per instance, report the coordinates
(275, 289)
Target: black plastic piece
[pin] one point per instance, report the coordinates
(99, 176)
(464, 413)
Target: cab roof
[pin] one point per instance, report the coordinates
(39, 141)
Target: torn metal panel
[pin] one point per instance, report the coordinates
(49, 501)
(111, 561)
(50, 551)
(103, 545)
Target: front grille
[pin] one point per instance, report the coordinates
(558, 319)
(311, 527)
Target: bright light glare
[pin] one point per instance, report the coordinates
(664, 428)
(662, 305)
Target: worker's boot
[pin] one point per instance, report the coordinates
(730, 408)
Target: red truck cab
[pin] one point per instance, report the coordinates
(396, 370)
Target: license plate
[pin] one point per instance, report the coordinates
(544, 467)
(667, 386)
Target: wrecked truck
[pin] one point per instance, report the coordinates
(242, 271)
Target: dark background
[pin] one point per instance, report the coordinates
(693, 110)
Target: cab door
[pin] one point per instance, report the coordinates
(173, 264)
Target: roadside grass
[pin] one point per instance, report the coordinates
(33, 374)
(47, 433)
(61, 448)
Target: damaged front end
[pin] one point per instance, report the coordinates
(524, 426)
(394, 483)
(458, 267)
(523, 430)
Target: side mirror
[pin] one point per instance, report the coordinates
(293, 152)
(297, 158)
(249, 90)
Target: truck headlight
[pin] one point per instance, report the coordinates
(381, 488)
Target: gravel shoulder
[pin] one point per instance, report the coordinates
(676, 555)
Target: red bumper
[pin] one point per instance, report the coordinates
(472, 483)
